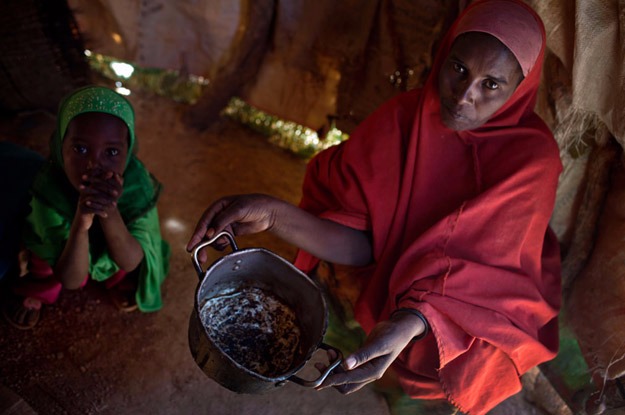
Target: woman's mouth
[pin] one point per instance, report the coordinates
(453, 112)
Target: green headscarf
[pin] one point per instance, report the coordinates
(93, 98)
(141, 189)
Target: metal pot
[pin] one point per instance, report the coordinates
(295, 288)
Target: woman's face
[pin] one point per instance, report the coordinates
(476, 79)
(94, 142)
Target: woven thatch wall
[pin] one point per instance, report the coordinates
(41, 54)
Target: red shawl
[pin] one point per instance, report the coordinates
(459, 224)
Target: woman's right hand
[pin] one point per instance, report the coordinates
(239, 214)
(247, 214)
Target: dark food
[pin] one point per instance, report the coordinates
(255, 328)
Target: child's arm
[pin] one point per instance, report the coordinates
(73, 264)
(104, 190)
(122, 246)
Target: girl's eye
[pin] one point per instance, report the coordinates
(459, 68)
(113, 152)
(490, 84)
(82, 150)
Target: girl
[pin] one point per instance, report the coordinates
(93, 213)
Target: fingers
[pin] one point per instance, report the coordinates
(220, 216)
(369, 363)
(93, 201)
(367, 353)
(350, 379)
(202, 230)
(99, 192)
(350, 388)
(240, 214)
(109, 185)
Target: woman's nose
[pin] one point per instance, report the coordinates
(465, 93)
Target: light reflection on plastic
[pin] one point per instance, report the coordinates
(122, 69)
(122, 91)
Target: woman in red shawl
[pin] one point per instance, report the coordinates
(443, 196)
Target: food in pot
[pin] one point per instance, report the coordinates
(254, 327)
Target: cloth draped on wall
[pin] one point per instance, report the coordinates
(460, 229)
(322, 59)
(587, 37)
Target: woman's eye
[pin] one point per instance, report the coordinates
(490, 84)
(80, 149)
(459, 68)
(113, 152)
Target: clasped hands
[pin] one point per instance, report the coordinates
(99, 192)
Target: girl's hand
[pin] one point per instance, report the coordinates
(240, 215)
(383, 345)
(100, 192)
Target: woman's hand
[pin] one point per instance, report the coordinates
(240, 215)
(383, 345)
(253, 213)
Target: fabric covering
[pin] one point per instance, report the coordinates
(587, 37)
(460, 229)
(54, 204)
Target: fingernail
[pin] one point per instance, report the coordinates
(350, 362)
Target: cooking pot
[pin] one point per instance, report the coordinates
(259, 267)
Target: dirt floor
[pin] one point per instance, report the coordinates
(86, 357)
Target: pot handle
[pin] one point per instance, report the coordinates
(196, 263)
(324, 375)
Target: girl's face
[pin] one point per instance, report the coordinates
(94, 143)
(476, 79)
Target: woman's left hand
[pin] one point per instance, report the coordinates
(382, 346)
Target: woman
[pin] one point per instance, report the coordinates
(443, 196)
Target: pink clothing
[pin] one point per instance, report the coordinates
(43, 285)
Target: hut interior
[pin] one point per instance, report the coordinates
(234, 97)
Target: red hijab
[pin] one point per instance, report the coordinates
(459, 224)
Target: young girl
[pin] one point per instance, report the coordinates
(93, 213)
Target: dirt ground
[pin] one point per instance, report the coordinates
(86, 357)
